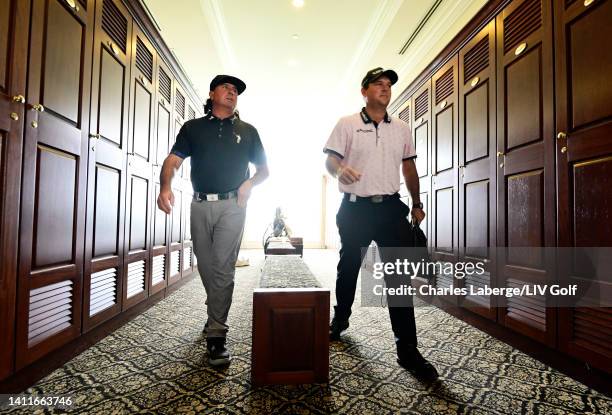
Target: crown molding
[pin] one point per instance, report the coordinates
(213, 12)
(377, 28)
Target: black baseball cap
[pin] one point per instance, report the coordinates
(222, 79)
(374, 74)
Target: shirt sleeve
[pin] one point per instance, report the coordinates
(182, 145)
(336, 144)
(257, 154)
(409, 150)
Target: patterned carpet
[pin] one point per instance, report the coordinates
(156, 364)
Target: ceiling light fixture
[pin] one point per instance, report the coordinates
(295, 36)
(298, 3)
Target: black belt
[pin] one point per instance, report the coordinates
(213, 197)
(372, 199)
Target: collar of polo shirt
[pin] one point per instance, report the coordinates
(367, 120)
(211, 117)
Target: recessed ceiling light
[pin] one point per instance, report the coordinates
(295, 36)
(298, 3)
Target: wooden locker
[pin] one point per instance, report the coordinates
(14, 22)
(584, 157)
(108, 143)
(54, 182)
(421, 132)
(525, 175)
(176, 225)
(478, 166)
(444, 208)
(140, 185)
(161, 223)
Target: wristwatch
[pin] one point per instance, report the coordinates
(417, 205)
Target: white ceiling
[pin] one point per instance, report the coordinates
(338, 41)
(298, 88)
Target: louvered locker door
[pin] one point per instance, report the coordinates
(478, 167)
(444, 209)
(176, 234)
(421, 125)
(584, 154)
(108, 143)
(161, 222)
(526, 177)
(13, 59)
(140, 185)
(54, 177)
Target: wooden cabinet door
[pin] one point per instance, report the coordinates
(526, 177)
(141, 156)
(444, 209)
(54, 182)
(584, 163)
(14, 22)
(161, 222)
(421, 133)
(104, 259)
(176, 223)
(478, 167)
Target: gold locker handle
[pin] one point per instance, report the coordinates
(73, 5)
(520, 49)
(499, 154)
(475, 81)
(113, 48)
(587, 3)
(19, 99)
(561, 135)
(38, 107)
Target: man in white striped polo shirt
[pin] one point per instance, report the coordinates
(365, 152)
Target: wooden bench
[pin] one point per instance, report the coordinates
(290, 325)
(284, 246)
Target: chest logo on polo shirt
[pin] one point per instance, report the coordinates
(238, 138)
(361, 130)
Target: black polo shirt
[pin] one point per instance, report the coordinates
(220, 152)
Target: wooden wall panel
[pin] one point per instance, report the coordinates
(584, 157)
(92, 85)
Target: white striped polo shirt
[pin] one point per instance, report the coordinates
(374, 151)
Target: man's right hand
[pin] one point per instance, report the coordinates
(348, 175)
(165, 200)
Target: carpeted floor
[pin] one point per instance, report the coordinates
(156, 364)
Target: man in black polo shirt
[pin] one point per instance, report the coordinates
(221, 146)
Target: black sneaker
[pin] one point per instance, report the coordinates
(336, 327)
(218, 355)
(416, 364)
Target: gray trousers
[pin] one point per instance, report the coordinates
(216, 229)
